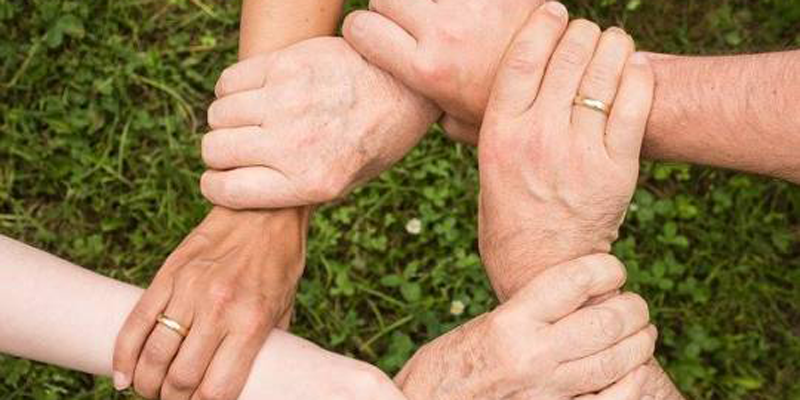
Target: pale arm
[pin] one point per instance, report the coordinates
(58, 313)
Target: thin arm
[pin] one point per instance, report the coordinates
(737, 112)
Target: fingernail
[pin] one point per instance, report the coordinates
(639, 58)
(120, 381)
(555, 8)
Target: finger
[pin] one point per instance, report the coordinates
(382, 42)
(161, 347)
(593, 329)
(567, 66)
(239, 109)
(251, 188)
(628, 119)
(520, 74)
(600, 83)
(602, 369)
(142, 319)
(629, 388)
(242, 147)
(248, 74)
(137, 328)
(190, 365)
(460, 131)
(411, 15)
(559, 291)
(228, 371)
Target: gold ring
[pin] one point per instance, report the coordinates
(172, 325)
(592, 104)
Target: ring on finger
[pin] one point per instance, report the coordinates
(172, 325)
(592, 104)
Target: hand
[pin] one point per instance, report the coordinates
(556, 178)
(447, 50)
(304, 125)
(229, 283)
(540, 345)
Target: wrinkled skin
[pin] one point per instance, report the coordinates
(556, 178)
(539, 344)
(304, 125)
(447, 50)
(230, 282)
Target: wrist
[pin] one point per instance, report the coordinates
(513, 260)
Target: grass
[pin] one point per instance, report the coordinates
(102, 105)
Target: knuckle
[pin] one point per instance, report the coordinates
(601, 76)
(282, 64)
(609, 266)
(183, 379)
(255, 325)
(505, 328)
(450, 33)
(156, 352)
(580, 278)
(573, 53)
(524, 58)
(213, 392)
(429, 69)
(221, 294)
(608, 323)
(609, 368)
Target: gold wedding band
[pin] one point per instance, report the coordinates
(172, 325)
(592, 104)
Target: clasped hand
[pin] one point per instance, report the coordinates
(306, 124)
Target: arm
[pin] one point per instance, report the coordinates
(245, 263)
(736, 112)
(58, 313)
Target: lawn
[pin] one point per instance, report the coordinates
(102, 107)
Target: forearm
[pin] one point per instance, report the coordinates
(737, 112)
(268, 25)
(58, 313)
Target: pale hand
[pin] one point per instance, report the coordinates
(306, 124)
(556, 178)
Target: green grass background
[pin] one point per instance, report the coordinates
(102, 105)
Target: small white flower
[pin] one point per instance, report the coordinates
(456, 307)
(633, 207)
(414, 226)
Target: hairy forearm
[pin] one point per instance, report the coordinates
(737, 112)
